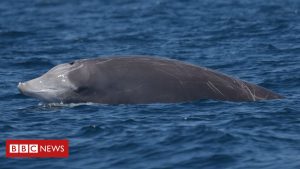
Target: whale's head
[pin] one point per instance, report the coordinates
(56, 86)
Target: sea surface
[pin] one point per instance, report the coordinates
(254, 40)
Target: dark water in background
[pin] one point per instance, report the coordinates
(258, 41)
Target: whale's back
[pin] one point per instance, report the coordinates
(152, 80)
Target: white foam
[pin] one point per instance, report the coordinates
(61, 104)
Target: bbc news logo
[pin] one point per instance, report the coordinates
(37, 148)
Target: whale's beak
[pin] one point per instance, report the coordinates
(21, 87)
(27, 88)
(34, 88)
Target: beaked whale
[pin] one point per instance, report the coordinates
(138, 79)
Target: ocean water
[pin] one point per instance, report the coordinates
(257, 41)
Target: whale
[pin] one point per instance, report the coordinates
(139, 80)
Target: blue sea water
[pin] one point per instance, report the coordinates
(257, 41)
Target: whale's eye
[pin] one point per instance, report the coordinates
(71, 63)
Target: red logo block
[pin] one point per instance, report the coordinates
(37, 148)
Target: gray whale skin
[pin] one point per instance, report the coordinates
(138, 79)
